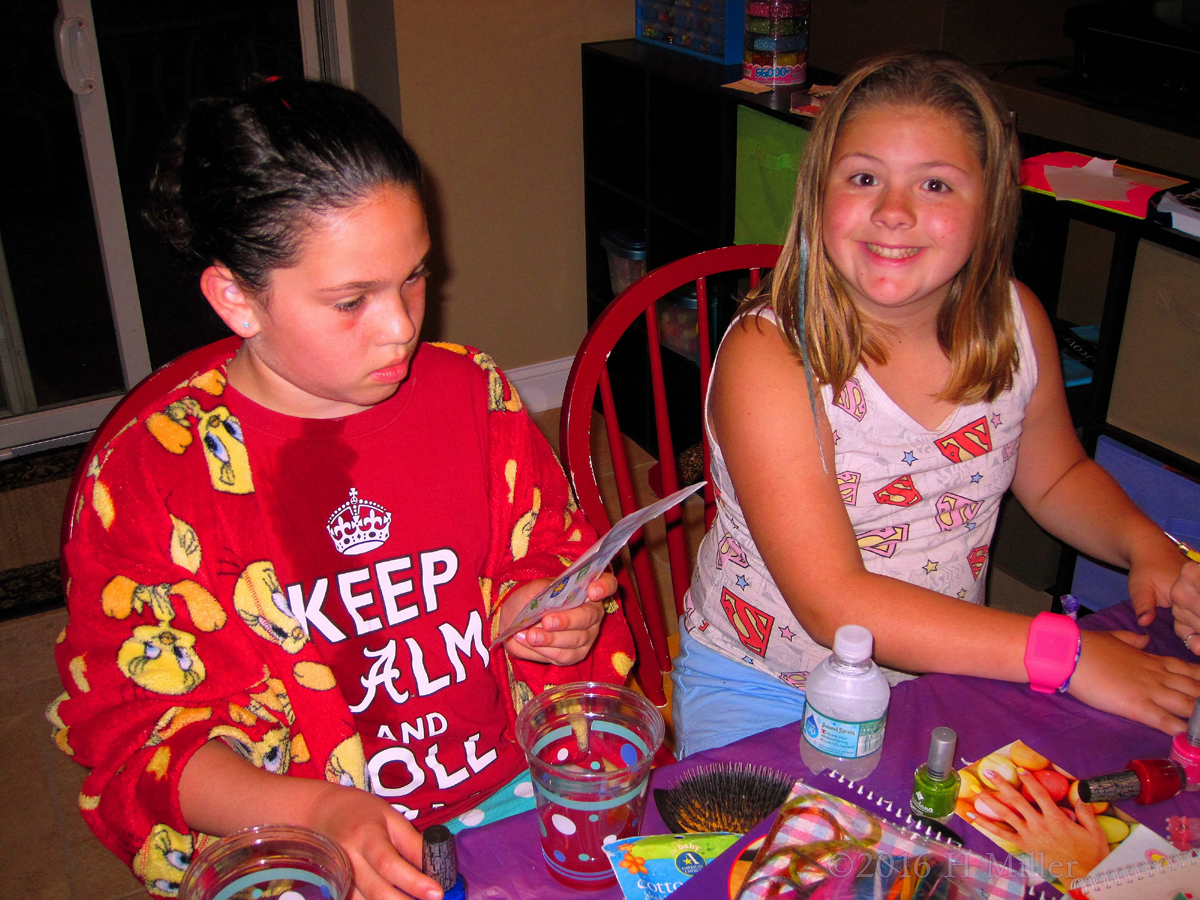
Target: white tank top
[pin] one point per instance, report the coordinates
(923, 504)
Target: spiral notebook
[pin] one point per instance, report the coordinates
(1165, 879)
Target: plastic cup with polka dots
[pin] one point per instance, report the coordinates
(589, 748)
(269, 862)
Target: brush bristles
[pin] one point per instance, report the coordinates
(730, 797)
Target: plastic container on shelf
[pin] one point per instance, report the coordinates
(845, 708)
(709, 29)
(626, 257)
(679, 323)
(775, 47)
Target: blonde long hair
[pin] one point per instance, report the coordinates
(975, 327)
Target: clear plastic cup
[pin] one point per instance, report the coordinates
(269, 861)
(589, 747)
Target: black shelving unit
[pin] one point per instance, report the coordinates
(1038, 261)
(660, 156)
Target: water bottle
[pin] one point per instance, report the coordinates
(845, 708)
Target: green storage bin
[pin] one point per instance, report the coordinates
(768, 158)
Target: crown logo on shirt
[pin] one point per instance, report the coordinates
(358, 526)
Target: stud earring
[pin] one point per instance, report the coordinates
(245, 324)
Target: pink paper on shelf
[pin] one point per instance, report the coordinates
(748, 85)
(1094, 182)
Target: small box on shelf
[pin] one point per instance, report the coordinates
(709, 29)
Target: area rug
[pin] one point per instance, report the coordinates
(32, 495)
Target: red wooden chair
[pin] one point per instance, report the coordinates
(589, 373)
(157, 382)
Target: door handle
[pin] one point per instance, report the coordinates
(76, 51)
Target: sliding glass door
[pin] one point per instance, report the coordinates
(90, 301)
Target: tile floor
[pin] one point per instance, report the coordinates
(46, 853)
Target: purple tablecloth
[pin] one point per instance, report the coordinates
(504, 861)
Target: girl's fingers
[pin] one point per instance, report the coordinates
(1010, 795)
(603, 585)
(1186, 623)
(405, 839)
(1086, 816)
(1044, 801)
(580, 618)
(991, 826)
(370, 885)
(396, 873)
(1144, 600)
(1132, 638)
(1000, 805)
(541, 639)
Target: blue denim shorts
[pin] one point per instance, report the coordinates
(717, 700)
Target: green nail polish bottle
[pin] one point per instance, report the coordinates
(935, 784)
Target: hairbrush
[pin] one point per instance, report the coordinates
(731, 797)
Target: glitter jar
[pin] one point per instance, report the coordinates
(269, 861)
(775, 49)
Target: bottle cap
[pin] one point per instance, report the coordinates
(439, 859)
(1161, 779)
(1144, 781)
(852, 643)
(941, 751)
(1193, 729)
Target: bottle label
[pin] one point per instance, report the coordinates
(933, 799)
(836, 737)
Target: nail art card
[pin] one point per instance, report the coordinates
(570, 590)
(1050, 843)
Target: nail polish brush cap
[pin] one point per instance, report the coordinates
(1123, 785)
(439, 859)
(941, 752)
(1193, 729)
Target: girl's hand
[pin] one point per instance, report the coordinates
(564, 636)
(1153, 573)
(1064, 849)
(1115, 676)
(383, 846)
(220, 792)
(1185, 604)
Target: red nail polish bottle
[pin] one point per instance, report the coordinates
(1144, 781)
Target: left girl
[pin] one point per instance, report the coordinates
(292, 562)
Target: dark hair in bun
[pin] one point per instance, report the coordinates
(244, 175)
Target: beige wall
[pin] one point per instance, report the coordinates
(490, 98)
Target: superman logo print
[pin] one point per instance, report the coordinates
(954, 510)
(848, 483)
(900, 492)
(882, 541)
(973, 439)
(978, 559)
(851, 399)
(752, 625)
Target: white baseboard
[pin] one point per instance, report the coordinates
(541, 385)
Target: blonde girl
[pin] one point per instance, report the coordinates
(868, 413)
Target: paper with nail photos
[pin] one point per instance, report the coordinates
(570, 590)
(1129, 841)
